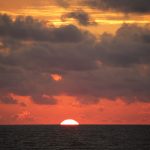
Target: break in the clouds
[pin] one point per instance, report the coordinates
(113, 66)
(127, 6)
(82, 17)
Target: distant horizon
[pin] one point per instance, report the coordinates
(72, 125)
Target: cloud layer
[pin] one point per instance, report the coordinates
(127, 6)
(114, 66)
(27, 28)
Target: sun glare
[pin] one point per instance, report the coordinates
(69, 122)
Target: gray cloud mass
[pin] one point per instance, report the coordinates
(126, 6)
(111, 67)
(28, 28)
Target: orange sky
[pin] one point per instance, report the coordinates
(50, 11)
(104, 111)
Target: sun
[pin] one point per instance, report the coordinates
(69, 122)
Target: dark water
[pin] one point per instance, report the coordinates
(75, 137)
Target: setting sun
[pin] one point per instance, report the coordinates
(69, 122)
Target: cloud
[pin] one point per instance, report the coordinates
(126, 6)
(7, 99)
(115, 66)
(82, 17)
(44, 99)
(130, 46)
(28, 28)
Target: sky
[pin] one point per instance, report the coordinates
(87, 60)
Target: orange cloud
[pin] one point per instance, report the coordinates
(56, 77)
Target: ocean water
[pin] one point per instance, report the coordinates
(83, 137)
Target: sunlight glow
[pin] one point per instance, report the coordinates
(56, 77)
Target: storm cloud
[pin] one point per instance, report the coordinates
(130, 46)
(113, 66)
(126, 6)
(28, 28)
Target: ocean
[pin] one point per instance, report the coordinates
(82, 137)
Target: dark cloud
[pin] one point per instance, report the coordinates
(130, 46)
(127, 6)
(7, 99)
(22, 104)
(115, 66)
(28, 28)
(44, 99)
(82, 17)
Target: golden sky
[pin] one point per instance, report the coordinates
(52, 12)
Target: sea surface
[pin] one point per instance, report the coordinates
(82, 137)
